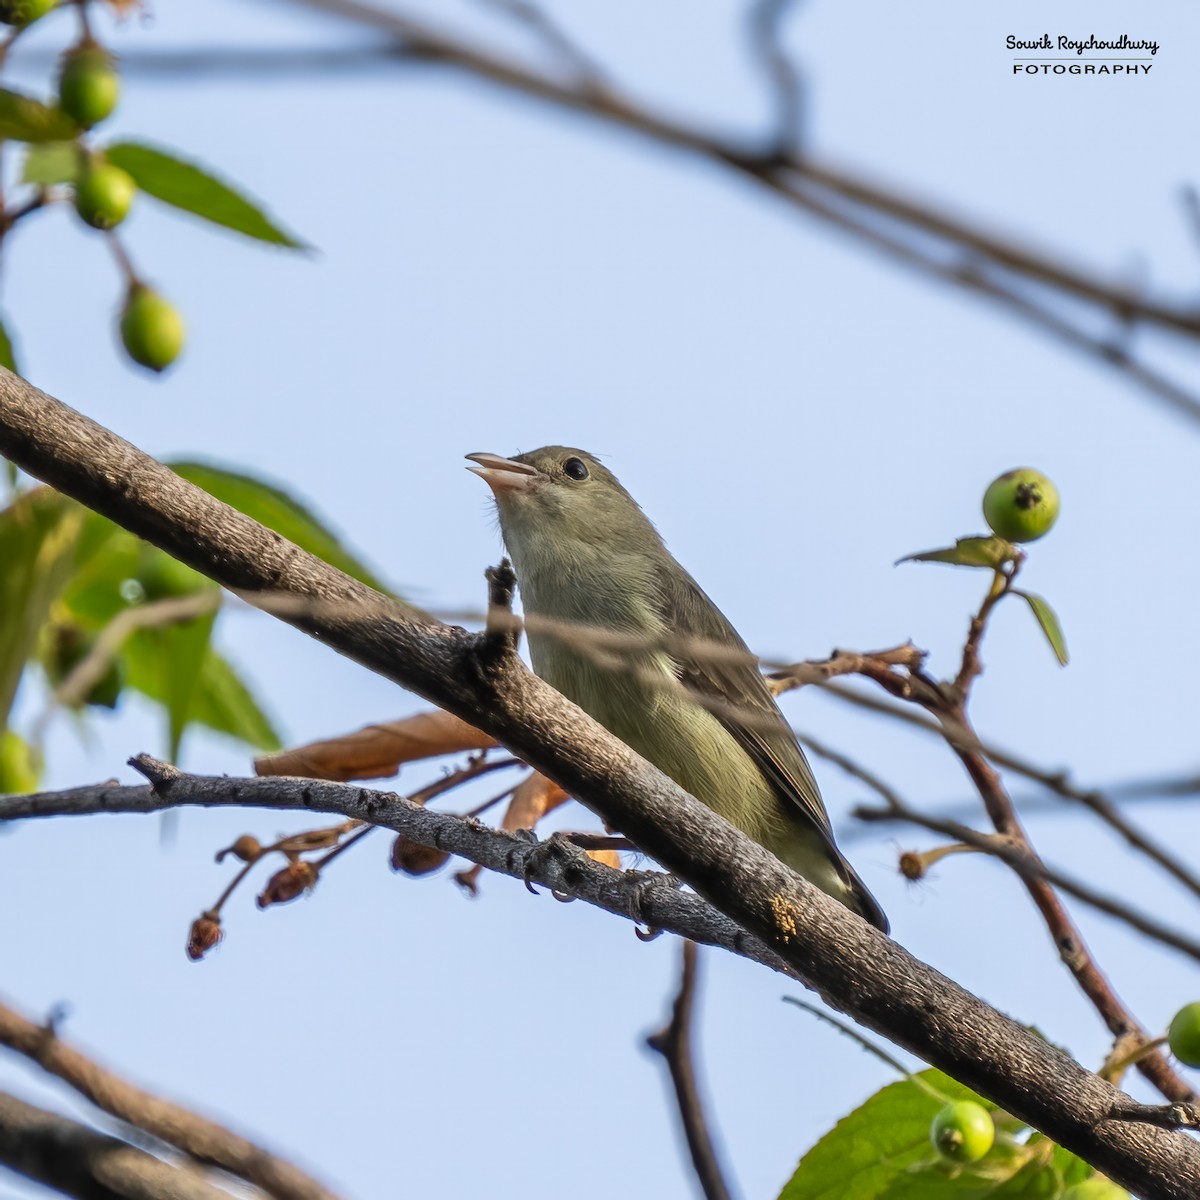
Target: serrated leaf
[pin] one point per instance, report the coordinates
(877, 1145)
(276, 509)
(24, 119)
(7, 356)
(191, 188)
(991, 552)
(51, 163)
(1047, 620)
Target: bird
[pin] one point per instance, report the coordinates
(684, 690)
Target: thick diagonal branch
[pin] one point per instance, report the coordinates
(857, 969)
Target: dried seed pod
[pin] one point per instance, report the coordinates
(414, 859)
(204, 935)
(284, 886)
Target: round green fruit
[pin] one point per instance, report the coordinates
(103, 195)
(1096, 1188)
(1021, 505)
(963, 1131)
(24, 12)
(1184, 1035)
(151, 329)
(89, 85)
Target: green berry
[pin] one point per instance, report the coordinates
(1184, 1035)
(1021, 505)
(24, 12)
(151, 329)
(1096, 1188)
(963, 1131)
(103, 194)
(89, 85)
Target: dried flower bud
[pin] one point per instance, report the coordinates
(912, 865)
(414, 859)
(203, 936)
(284, 886)
(246, 848)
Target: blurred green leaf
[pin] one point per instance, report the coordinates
(277, 510)
(7, 357)
(51, 163)
(212, 694)
(24, 119)
(989, 552)
(39, 536)
(225, 704)
(20, 764)
(1047, 619)
(192, 189)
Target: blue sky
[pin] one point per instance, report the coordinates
(795, 414)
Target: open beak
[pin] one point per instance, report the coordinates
(504, 474)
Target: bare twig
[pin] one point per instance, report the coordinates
(674, 1043)
(79, 1161)
(1033, 871)
(967, 256)
(584, 70)
(91, 668)
(765, 21)
(204, 1140)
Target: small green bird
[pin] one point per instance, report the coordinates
(587, 556)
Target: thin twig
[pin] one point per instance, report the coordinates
(835, 197)
(674, 1043)
(203, 1139)
(76, 1160)
(765, 21)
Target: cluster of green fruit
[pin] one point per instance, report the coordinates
(89, 86)
(963, 1131)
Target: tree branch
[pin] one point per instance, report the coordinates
(674, 1043)
(857, 969)
(965, 256)
(78, 1161)
(204, 1140)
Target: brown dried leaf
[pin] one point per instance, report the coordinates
(377, 751)
(609, 858)
(315, 839)
(533, 799)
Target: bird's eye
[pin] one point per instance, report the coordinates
(576, 468)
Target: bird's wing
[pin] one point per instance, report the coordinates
(741, 700)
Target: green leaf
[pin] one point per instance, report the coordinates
(277, 510)
(24, 119)
(39, 537)
(1070, 1166)
(871, 1149)
(1047, 619)
(51, 163)
(991, 552)
(7, 357)
(225, 704)
(193, 189)
(20, 764)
